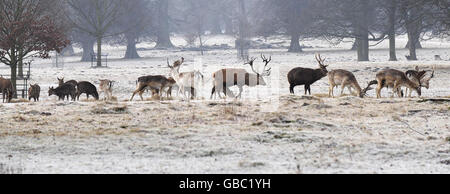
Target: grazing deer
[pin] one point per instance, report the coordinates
(34, 92)
(306, 76)
(7, 90)
(106, 87)
(87, 88)
(186, 79)
(225, 78)
(61, 82)
(420, 77)
(156, 83)
(344, 79)
(63, 91)
(395, 78)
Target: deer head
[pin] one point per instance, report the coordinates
(425, 81)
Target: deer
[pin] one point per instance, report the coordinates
(225, 78)
(396, 79)
(63, 91)
(185, 79)
(306, 76)
(34, 92)
(87, 88)
(106, 86)
(156, 83)
(345, 79)
(419, 77)
(7, 90)
(61, 82)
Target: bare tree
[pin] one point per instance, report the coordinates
(95, 17)
(28, 30)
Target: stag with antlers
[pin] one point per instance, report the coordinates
(185, 80)
(225, 78)
(306, 76)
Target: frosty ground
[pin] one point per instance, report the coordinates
(268, 131)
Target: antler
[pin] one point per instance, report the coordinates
(432, 73)
(320, 60)
(267, 61)
(251, 64)
(168, 64)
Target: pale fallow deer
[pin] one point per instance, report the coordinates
(185, 80)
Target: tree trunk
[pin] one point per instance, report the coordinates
(68, 51)
(99, 51)
(14, 77)
(418, 44)
(131, 52)
(20, 65)
(88, 49)
(363, 49)
(363, 33)
(201, 44)
(295, 45)
(228, 25)
(392, 12)
(412, 49)
(354, 46)
(216, 28)
(163, 28)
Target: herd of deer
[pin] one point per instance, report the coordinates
(223, 79)
(187, 82)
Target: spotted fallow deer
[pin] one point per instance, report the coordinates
(397, 79)
(225, 78)
(420, 77)
(345, 79)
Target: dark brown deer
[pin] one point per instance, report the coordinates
(225, 78)
(7, 90)
(34, 92)
(63, 91)
(61, 82)
(306, 76)
(87, 88)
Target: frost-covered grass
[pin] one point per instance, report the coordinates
(297, 134)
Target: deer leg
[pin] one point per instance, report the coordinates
(396, 89)
(342, 89)
(213, 91)
(291, 88)
(330, 91)
(193, 95)
(379, 89)
(309, 89)
(229, 92)
(306, 89)
(240, 92)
